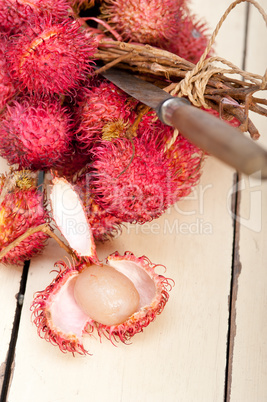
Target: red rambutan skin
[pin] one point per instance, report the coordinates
(99, 107)
(7, 89)
(131, 183)
(20, 210)
(35, 136)
(122, 332)
(103, 224)
(14, 14)
(183, 159)
(167, 24)
(41, 317)
(145, 21)
(51, 58)
(191, 40)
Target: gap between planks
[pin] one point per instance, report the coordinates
(236, 264)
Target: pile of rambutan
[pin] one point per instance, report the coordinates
(113, 157)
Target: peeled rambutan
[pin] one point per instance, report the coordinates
(35, 135)
(21, 208)
(61, 312)
(51, 57)
(117, 300)
(14, 14)
(104, 112)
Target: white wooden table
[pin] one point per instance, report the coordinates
(210, 344)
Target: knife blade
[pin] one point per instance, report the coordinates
(209, 133)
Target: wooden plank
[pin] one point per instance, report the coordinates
(182, 355)
(249, 376)
(9, 287)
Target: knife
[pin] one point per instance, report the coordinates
(202, 129)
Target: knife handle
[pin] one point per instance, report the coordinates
(215, 136)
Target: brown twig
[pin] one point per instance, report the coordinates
(41, 228)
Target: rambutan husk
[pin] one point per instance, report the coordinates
(21, 208)
(60, 320)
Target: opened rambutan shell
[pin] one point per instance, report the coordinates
(50, 57)
(21, 208)
(61, 321)
(35, 135)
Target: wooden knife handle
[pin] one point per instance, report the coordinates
(215, 136)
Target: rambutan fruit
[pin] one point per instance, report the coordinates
(145, 21)
(14, 14)
(84, 298)
(183, 159)
(104, 112)
(21, 208)
(51, 58)
(131, 179)
(103, 224)
(72, 163)
(191, 39)
(7, 90)
(35, 135)
(117, 300)
(166, 24)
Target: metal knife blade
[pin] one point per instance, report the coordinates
(209, 133)
(141, 90)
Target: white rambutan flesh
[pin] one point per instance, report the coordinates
(68, 213)
(106, 295)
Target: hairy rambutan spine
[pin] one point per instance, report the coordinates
(43, 306)
(35, 135)
(21, 208)
(41, 317)
(51, 57)
(15, 14)
(104, 112)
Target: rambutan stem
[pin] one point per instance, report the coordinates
(41, 228)
(131, 132)
(48, 231)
